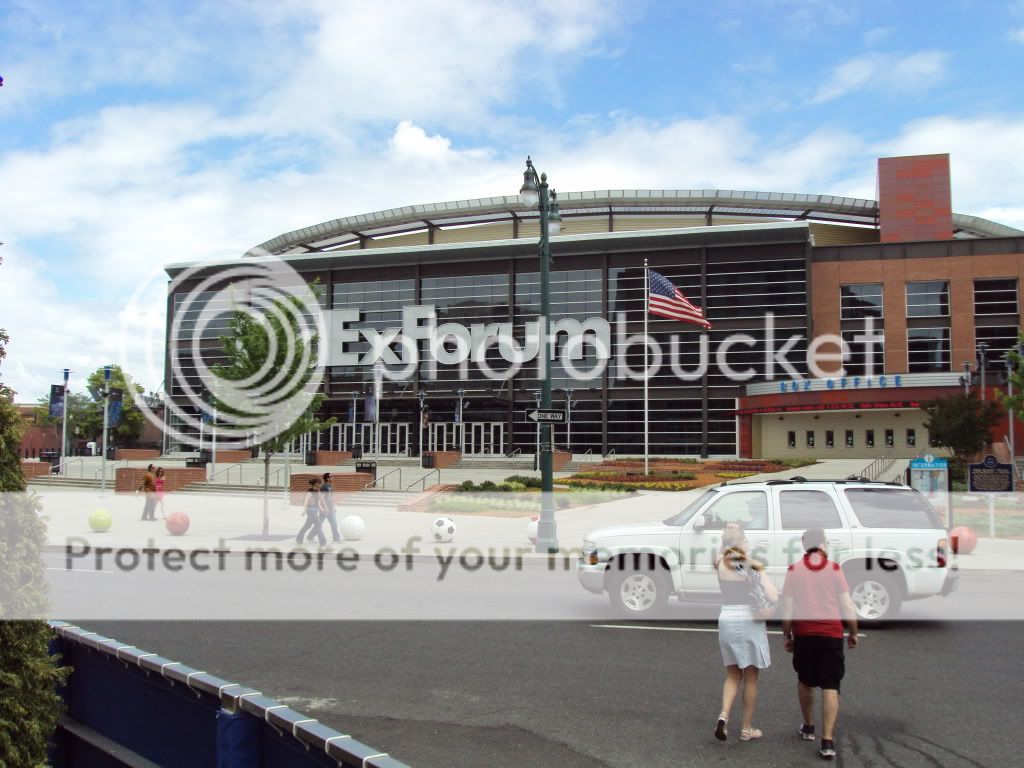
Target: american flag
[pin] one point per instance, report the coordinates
(665, 300)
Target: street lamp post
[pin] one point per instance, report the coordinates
(1009, 413)
(422, 394)
(568, 421)
(107, 370)
(982, 364)
(64, 427)
(535, 192)
(966, 378)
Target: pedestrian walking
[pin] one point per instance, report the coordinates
(311, 508)
(158, 482)
(747, 597)
(148, 488)
(815, 605)
(330, 513)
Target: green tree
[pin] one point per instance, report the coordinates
(29, 675)
(132, 420)
(1017, 381)
(83, 412)
(248, 347)
(963, 424)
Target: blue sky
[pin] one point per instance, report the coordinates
(135, 134)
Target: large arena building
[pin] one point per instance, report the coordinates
(909, 285)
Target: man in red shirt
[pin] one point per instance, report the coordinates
(815, 605)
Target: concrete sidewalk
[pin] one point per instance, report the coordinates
(235, 523)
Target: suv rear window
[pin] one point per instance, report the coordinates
(889, 508)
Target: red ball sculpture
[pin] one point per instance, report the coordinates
(177, 523)
(963, 540)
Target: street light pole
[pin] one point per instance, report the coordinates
(423, 400)
(534, 193)
(64, 427)
(106, 423)
(1009, 412)
(568, 421)
(983, 363)
(966, 378)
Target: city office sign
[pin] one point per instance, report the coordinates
(841, 383)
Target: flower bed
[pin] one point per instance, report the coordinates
(673, 474)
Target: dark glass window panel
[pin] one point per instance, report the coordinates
(928, 298)
(995, 297)
(860, 301)
(928, 350)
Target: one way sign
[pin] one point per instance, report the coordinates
(546, 416)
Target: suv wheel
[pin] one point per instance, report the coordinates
(639, 594)
(875, 596)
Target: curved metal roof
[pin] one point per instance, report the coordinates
(338, 233)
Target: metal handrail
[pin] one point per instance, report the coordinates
(227, 470)
(111, 466)
(385, 475)
(875, 469)
(512, 455)
(422, 481)
(272, 475)
(64, 462)
(610, 454)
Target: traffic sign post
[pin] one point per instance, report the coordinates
(547, 416)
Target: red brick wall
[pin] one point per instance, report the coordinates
(136, 454)
(445, 459)
(559, 459)
(343, 482)
(35, 468)
(129, 479)
(232, 456)
(914, 199)
(332, 458)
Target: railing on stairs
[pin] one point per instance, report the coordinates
(381, 479)
(110, 468)
(881, 465)
(227, 473)
(423, 480)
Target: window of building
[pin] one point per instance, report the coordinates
(869, 438)
(791, 439)
(810, 438)
(911, 437)
(995, 297)
(928, 298)
(928, 350)
(830, 438)
(849, 438)
(808, 509)
(866, 356)
(890, 437)
(999, 338)
(859, 301)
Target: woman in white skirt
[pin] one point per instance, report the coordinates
(742, 635)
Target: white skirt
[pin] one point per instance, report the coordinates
(743, 638)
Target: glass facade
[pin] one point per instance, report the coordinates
(928, 298)
(928, 350)
(857, 302)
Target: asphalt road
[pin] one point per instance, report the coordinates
(569, 694)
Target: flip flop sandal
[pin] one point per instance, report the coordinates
(749, 734)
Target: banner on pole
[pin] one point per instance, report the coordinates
(115, 406)
(57, 393)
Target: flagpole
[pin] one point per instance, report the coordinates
(647, 298)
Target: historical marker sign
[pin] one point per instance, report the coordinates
(990, 476)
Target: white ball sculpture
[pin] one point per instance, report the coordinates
(352, 528)
(531, 528)
(443, 530)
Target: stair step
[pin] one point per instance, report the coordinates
(56, 481)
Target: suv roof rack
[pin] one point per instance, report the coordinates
(796, 480)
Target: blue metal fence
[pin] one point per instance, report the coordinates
(128, 707)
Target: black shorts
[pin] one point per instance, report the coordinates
(819, 661)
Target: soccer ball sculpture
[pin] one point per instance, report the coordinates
(443, 530)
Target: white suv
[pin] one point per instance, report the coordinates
(887, 538)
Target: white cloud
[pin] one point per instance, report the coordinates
(1017, 35)
(887, 72)
(878, 34)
